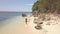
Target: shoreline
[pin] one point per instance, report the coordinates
(17, 25)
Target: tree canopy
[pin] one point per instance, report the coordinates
(46, 6)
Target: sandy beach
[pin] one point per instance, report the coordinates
(14, 26)
(17, 25)
(29, 16)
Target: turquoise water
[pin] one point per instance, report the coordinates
(7, 15)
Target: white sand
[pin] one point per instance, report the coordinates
(17, 26)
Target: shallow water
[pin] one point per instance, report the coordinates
(8, 15)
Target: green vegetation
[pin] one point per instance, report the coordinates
(46, 6)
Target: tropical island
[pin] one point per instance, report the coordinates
(45, 19)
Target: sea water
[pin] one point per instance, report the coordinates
(7, 15)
